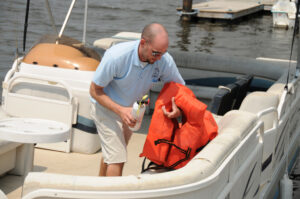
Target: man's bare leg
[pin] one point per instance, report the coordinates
(115, 169)
(103, 168)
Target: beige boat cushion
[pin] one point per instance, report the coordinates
(59, 55)
(106, 43)
(277, 89)
(237, 122)
(258, 101)
(204, 164)
(233, 127)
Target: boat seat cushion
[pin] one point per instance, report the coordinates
(59, 55)
(237, 122)
(202, 165)
(40, 90)
(258, 101)
(217, 118)
(277, 89)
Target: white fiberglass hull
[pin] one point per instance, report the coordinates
(246, 160)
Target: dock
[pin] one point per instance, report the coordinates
(230, 9)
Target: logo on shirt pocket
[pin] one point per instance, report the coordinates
(155, 75)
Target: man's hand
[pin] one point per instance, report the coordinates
(124, 112)
(175, 110)
(126, 116)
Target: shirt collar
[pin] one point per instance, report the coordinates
(143, 64)
(136, 59)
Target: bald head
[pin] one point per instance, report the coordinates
(151, 31)
(154, 43)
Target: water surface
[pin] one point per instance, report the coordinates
(252, 37)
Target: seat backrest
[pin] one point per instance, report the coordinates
(224, 99)
(30, 96)
(243, 83)
(259, 101)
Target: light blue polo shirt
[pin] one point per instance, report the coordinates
(125, 79)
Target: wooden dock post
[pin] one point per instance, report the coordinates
(186, 9)
(187, 5)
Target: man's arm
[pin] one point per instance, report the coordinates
(124, 112)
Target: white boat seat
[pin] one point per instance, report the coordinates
(237, 122)
(258, 101)
(106, 43)
(217, 117)
(204, 164)
(40, 90)
(277, 89)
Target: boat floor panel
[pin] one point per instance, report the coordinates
(73, 164)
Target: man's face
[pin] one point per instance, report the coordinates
(155, 50)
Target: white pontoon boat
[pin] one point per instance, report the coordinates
(256, 105)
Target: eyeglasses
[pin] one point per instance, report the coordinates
(157, 54)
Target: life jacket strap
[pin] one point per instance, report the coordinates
(186, 152)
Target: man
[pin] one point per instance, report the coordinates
(125, 74)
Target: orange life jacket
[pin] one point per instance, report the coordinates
(169, 144)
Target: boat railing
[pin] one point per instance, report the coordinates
(269, 141)
(267, 111)
(289, 89)
(260, 128)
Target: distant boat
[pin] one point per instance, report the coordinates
(284, 13)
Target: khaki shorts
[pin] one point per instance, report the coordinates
(114, 134)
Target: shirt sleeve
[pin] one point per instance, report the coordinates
(106, 71)
(170, 72)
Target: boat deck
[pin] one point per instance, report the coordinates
(76, 163)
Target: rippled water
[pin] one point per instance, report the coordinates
(251, 37)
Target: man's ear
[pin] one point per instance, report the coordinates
(143, 41)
